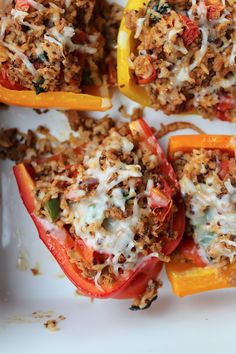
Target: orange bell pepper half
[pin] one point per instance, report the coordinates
(187, 274)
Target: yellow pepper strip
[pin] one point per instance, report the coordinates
(60, 100)
(126, 45)
(187, 279)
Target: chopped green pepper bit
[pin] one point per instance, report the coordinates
(137, 308)
(53, 208)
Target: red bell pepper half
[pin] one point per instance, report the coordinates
(59, 242)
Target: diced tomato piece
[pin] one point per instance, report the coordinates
(158, 199)
(224, 169)
(22, 5)
(5, 82)
(147, 80)
(150, 74)
(214, 8)
(189, 250)
(191, 31)
(213, 12)
(226, 103)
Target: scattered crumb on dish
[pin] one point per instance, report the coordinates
(52, 324)
(36, 270)
(60, 275)
(22, 260)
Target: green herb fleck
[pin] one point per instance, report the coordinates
(86, 79)
(43, 57)
(156, 6)
(164, 9)
(37, 85)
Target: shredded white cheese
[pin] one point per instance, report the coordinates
(4, 24)
(68, 3)
(202, 12)
(64, 40)
(22, 56)
(36, 5)
(139, 26)
(20, 15)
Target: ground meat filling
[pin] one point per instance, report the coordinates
(185, 55)
(100, 194)
(208, 184)
(58, 45)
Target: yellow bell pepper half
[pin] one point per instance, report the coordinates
(126, 44)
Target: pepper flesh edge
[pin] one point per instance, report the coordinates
(185, 278)
(59, 100)
(126, 44)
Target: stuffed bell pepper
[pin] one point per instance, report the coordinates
(206, 169)
(58, 54)
(109, 210)
(179, 56)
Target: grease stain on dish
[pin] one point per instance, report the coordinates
(49, 319)
(23, 260)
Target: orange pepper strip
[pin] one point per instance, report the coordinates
(186, 143)
(186, 278)
(60, 100)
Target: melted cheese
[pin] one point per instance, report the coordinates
(210, 215)
(99, 231)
